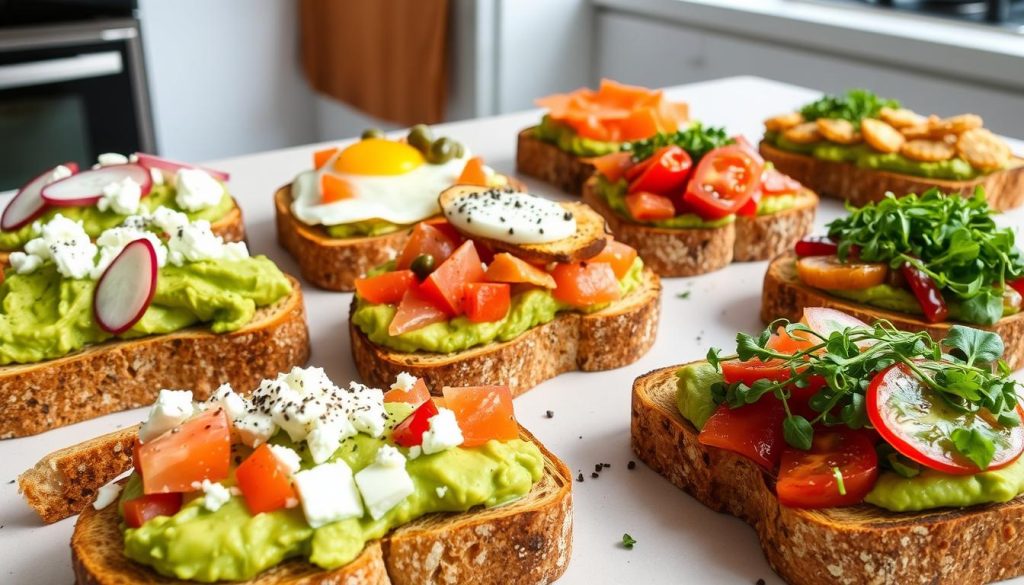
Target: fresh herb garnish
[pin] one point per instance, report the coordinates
(683, 295)
(890, 459)
(697, 140)
(840, 484)
(628, 541)
(854, 106)
(974, 445)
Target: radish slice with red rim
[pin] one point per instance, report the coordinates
(172, 166)
(126, 288)
(86, 187)
(28, 202)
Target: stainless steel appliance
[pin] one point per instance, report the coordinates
(1004, 13)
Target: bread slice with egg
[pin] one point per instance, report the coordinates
(689, 252)
(785, 296)
(842, 180)
(858, 544)
(551, 164)
(121, 374)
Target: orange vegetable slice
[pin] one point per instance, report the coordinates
(335, 189)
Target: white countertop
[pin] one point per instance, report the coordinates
(678, 540)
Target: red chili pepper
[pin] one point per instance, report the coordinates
(927, 293)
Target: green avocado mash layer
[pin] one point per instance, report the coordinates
(893, 298)
(565, 138)
(363, 229)
(928, 490)
(44, 315)
(96, 222)
(528, 310)
(231, 544)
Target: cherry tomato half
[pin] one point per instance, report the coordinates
(927, 292)
(811, 479)
(666, 174)
(753, 431)
(724, 181)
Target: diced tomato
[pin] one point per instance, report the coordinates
(649, 207)
(136, 459)
(724, 181)
(415, 396)
(445, 286)
(753, 431)
(473, 173)
(487, 302)
(811, 479)
(138, 511)
(409, 432)
(667, 173)
(415, 311)
(334, 188)
(1018, 285)
(929, 297)
(774, 182)
(483, 413)
(425, 239)
(442, 225)
(749, 208)
(586, 283)
(620, 256)
(321, 157)
(387, 288)
(827, 272)
(199, 449)
(264, 481)
(783, 342)
(507, 268)
(612, 166)
(753, 370)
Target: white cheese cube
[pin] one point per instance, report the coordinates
(288, 458)
(385, 483)
(328, 494)
(443, 434)
(172, 407)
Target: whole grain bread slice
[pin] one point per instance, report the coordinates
(122, 374)
(785, 296)
(551, 164)
(842, 180)
(763, 237)
(858, 544)
(525, 542)
(610, 338)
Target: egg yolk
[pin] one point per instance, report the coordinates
(377, 156)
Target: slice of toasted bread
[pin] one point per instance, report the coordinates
(525, 542)
(858, 544)
(551, 164)
(610, 338)
(763, 237)
(1004, 189)
(785, 296)
(590, 237)
(122, 374)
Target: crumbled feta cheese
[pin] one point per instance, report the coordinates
(291, 503)
(385, 483)
(111, 158)
(172, 407)
(226, 397)
(215, 495)
(195, 242)
(443, 434)
(23, 263)
(106, 495)
(121, 197)
(441, 491)
(59, 172)
(415, 451)
(168, 220)
(328, 493)
(404, 382)
(254, 428)
(197, 190)
(65, 242)
(368, 414)
(157, 175)
(325, 438)
(111, 242)
(287, 458)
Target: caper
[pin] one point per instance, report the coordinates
(441, 151)
(372, 133)
(422, 266)
(420, 137)
(460, 150)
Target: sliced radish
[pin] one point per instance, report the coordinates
(28, 202)
(172, 166)
(126, 288)
(86, 187)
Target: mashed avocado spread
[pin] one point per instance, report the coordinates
(363, 229)
(528, 309)
(232, 544)
(930, 489)
(566, 139)
(96, 222)
(45, 316)
(889, 297)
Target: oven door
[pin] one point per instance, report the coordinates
(70, 93)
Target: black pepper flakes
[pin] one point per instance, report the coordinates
(631, 465)
(579, 478)
(595, 475)
(550, 414)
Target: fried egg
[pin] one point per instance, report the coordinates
(377, 178)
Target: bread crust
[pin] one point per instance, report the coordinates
(1004, 189)
(763, 237)
(611, 338)
(857, 544)
(784, 296)
(526, 542)
(547, 162)
(118, 375)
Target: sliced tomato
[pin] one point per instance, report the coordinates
(612, 166)
(425, 239)
(387, 288)
(138, 511)
(816, 246)
(638, 169)
(753, 431)
(919, 424)
(264, 481)
(445, 286)
(199, 449)
(827, 272)
(774, 182)
(586, 283)
(483, 412)
(749, 208)
(724, 181)
(334, 188)
(928, 295)
(507, 268)
(487, 302)
(811, 479)
(620, 256)
(415, 396)
(409, 432)
(473, 173)
(1018, 285)
(649, 207)
(320, 157)
(415, 311)
(825, 321)
(666, 175)
(751, 371)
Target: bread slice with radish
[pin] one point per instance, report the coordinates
(126, 288)
(86, 188)
(28, 203)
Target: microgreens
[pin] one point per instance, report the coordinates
(628, 541)
(854, 106)
(697, 140)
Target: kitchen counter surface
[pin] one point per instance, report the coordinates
(678, 540)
